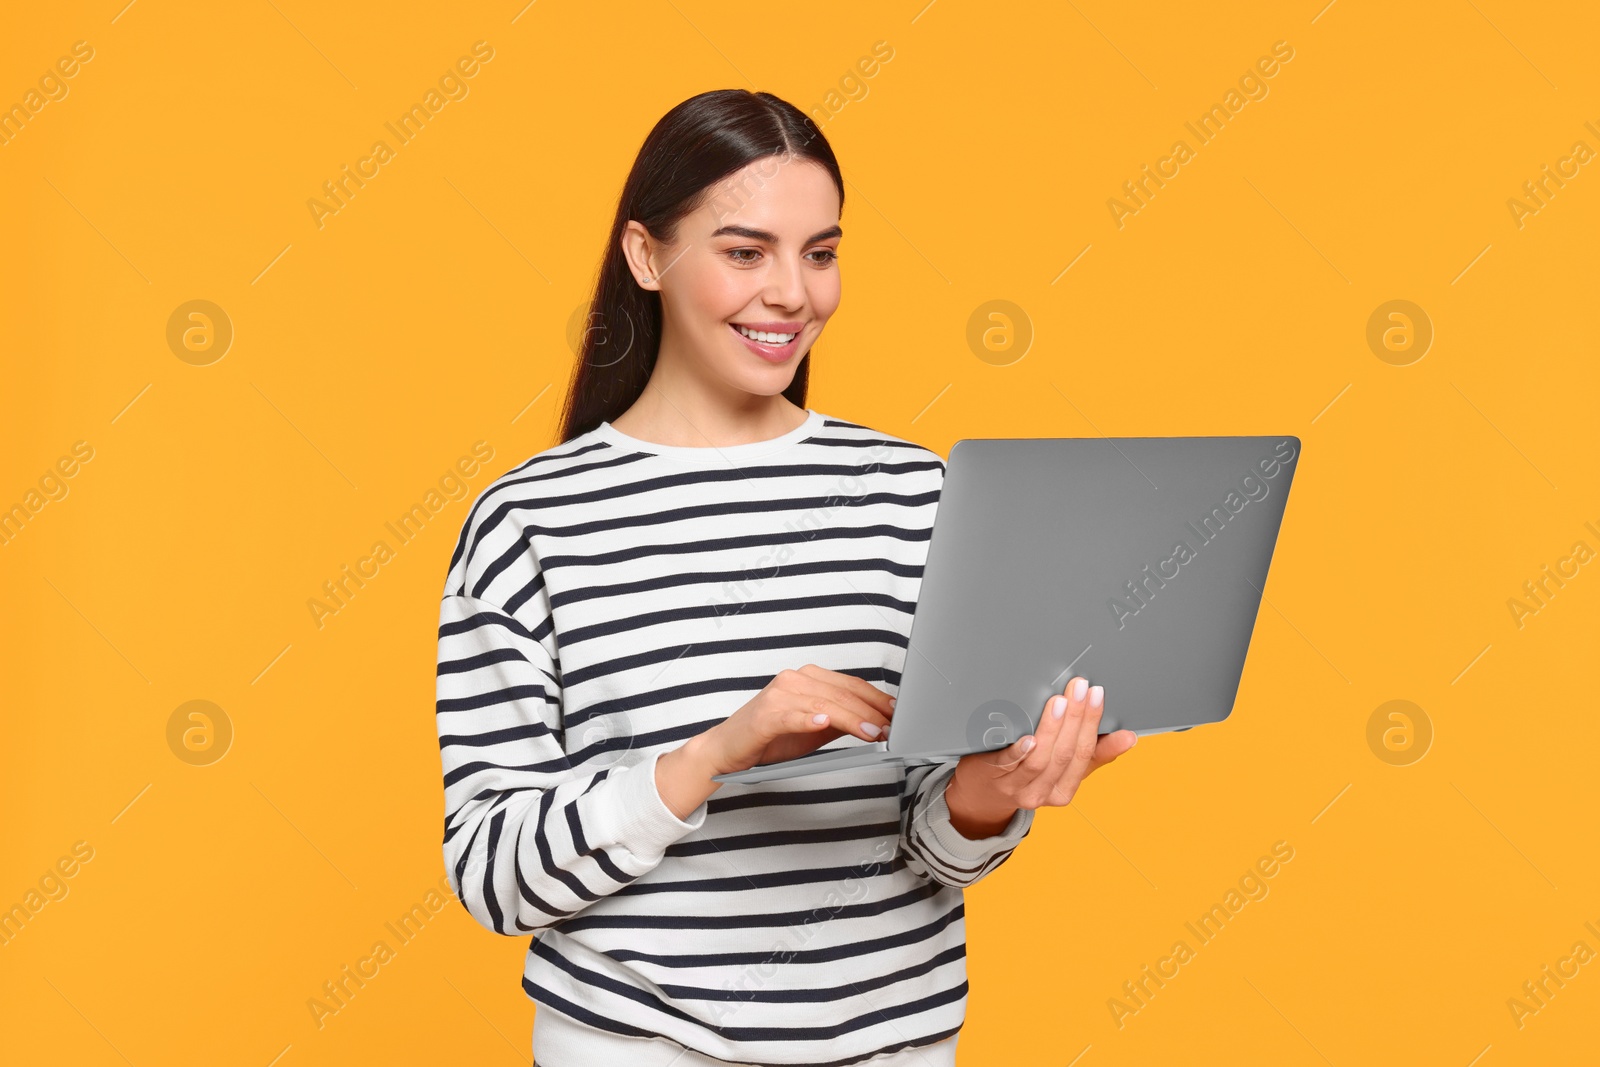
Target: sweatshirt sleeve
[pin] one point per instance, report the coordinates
(530, 838)
(934, 848)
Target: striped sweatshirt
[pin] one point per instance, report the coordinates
(609, 599)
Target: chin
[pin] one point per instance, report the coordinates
(773, 381)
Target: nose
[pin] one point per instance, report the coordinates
(785, 284)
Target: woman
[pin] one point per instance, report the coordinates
(702, 576)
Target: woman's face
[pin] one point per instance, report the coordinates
(759, 257)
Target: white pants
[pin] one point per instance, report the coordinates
(562, 1041)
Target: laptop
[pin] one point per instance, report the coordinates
(1137, 562)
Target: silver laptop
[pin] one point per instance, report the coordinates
(1137, 562)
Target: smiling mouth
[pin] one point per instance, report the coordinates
(776, 340)
(772, 346)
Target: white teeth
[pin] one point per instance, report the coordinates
(764, 337)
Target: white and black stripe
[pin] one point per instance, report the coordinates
(606, 601)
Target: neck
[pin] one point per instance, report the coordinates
(680, 409)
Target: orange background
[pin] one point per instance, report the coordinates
(431, 312)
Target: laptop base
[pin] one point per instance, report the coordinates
(865, 755)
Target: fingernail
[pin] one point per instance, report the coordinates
(870, 729)
(1027, 745)
(1058, 706)
(1097, 693)
(1078, 688)
(819, 718)
(892, 701)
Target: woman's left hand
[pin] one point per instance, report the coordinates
(1040, 769)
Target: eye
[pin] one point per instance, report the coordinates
(829, 254)
(737, 254)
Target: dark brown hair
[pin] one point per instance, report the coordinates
(693, 147)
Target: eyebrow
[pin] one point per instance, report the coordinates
(772, 238)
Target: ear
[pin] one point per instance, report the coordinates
(639, 248)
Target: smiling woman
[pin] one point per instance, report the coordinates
(705, 575)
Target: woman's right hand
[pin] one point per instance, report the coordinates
(782, 721)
